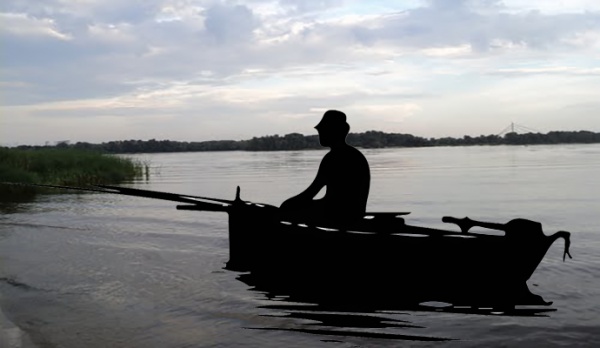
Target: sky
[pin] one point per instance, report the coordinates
(187, 70)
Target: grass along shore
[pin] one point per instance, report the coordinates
(66, 167)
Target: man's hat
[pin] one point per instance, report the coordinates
(332, 119)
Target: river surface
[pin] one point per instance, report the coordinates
(102, 270)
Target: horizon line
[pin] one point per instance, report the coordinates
(68, 141)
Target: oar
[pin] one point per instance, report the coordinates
(514, 226)
(203, 206)
(161, 195)
(56, 187)
(465, 224)
(521, 228)
(197, 201)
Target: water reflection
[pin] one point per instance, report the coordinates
(369, 314)
(12, 201)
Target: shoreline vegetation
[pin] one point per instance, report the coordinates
(295, 141)
(84, 163)
(64, 166)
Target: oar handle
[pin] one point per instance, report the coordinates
(204, 207)
(465, 224)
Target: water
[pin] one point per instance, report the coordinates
(99, 270)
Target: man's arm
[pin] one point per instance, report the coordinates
(312, 190)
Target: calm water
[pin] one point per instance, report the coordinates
(99, 270)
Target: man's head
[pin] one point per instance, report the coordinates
(333, 128)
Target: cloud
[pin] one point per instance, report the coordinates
(230, 23)
(393, 112)
(195, 60)
(553, 70)
(23, 25)
(303, 6)
(112, 33)
(448, 51)
(457, 23)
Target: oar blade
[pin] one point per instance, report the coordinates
(62, 187)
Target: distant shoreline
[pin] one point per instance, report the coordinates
(295, 141)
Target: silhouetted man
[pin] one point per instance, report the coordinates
(344, 171)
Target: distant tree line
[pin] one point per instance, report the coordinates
(295, 141)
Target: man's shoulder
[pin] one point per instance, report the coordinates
(356, 152)
(347, 154)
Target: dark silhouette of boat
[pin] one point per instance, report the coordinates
(379, 256)
(382, 256)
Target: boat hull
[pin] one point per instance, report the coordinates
(391, 260)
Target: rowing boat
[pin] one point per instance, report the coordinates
(379, 255)
(383, 256)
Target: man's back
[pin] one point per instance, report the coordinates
(347, 179)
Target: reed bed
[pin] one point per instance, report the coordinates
(55, 166)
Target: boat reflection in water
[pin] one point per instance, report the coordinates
(340, 313)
